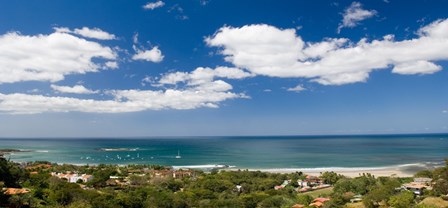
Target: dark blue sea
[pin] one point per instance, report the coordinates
(266, 152)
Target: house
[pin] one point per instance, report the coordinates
(278, 187)
(319, 202)
(15, 191)
(73, 177)
(238, 188)
(284, 184)
(309, 181)
(160, 173)
(418, 185)
(356, 198)
(416, 188)
(179, 174)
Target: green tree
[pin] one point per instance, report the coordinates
(423, 174)
(80, 204)
(304, 199)
(10, 173)
(276, 201)
(402, 200)
(440, 187)
(344, 185)
(251, 200)
(381, 192)
(330, 177)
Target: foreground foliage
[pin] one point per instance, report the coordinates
(251, 189)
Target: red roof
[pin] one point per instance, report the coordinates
(322, 200)
(14, 191)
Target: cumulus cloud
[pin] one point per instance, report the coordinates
(123, 100)
(201, 89)
(111, 64)
(203, 75)
(94, 33)
(50, 57)
(355, 14)
(152, 55)
(297, 88)
(77, 89)
(332, 61)
(153, 5)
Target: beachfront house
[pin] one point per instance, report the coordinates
(309, 181)
(418, 185)
(73, 177)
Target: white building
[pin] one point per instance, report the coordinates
(73, 177)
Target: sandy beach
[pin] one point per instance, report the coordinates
(407, 170)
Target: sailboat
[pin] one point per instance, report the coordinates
(178, 155)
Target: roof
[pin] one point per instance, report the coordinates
(86, 176)
(414, 185)
(322, 200)
(14, 191)
(298, 206)
(316, 204)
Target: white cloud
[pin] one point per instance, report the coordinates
(124, 100)
(135, 38)
(49, 57)
(203, 75)
(153, 5)
(354, 14)
(111, 65)
(281, 53)
(153, 55)
(77, 89)
(445, 111)
(95, 33)
(416, 67)
(297, 88)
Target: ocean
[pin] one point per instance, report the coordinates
(251, 152)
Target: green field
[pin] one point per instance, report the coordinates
(319, 193)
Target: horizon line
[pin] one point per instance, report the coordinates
(216, 136)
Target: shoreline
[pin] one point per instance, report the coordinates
(348, 172)
(404, 170)
(400, 170)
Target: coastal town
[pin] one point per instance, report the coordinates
(43, 184)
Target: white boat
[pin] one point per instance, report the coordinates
(178, 155)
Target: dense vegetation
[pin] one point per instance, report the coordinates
(216, 189)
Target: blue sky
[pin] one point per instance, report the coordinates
(214, 67)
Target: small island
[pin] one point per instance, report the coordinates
(9, 151)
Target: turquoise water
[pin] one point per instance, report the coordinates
(267, 152)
